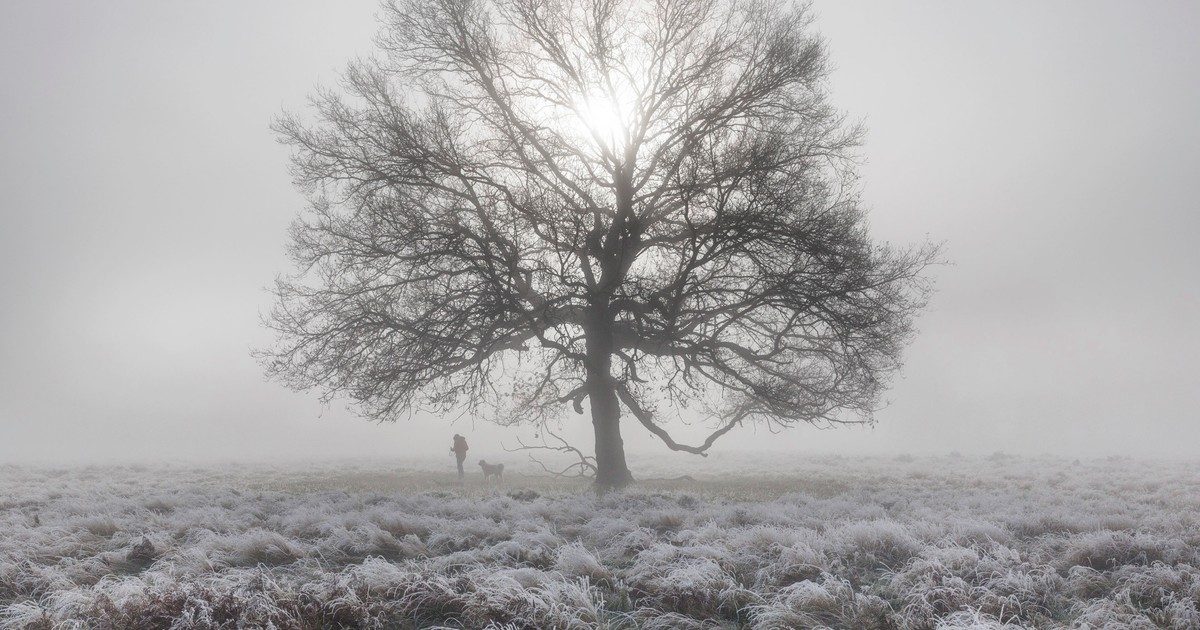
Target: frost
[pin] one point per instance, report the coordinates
(919, 543)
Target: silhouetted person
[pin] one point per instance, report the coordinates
(460, 452)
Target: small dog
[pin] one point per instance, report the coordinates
(492, 470)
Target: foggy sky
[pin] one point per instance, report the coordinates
(1054, 147)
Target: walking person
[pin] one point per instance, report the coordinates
(460, 452)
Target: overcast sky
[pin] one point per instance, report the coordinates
(1054, 147)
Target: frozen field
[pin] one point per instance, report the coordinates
(758, 542)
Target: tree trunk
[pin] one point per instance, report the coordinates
(611, 470)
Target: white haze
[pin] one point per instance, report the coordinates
(1053, 146)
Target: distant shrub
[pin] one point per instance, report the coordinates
(525, 495)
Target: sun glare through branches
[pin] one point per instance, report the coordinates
(606, 118)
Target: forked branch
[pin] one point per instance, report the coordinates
(584, 468)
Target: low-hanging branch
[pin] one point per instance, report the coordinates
(585, 467)
(647, 420)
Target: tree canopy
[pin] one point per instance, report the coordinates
(638, 204)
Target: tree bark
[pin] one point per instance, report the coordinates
(611, 469)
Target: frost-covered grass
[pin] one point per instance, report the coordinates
(759, 542)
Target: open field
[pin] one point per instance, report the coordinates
(759, 542)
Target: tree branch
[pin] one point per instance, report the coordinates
(584, 468)
(647, 421)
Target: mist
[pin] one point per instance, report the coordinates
(1053, 148)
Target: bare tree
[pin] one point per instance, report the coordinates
(646, 204)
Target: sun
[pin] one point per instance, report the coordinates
(601, 116)
(605, 117)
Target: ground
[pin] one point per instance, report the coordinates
(762, 541)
